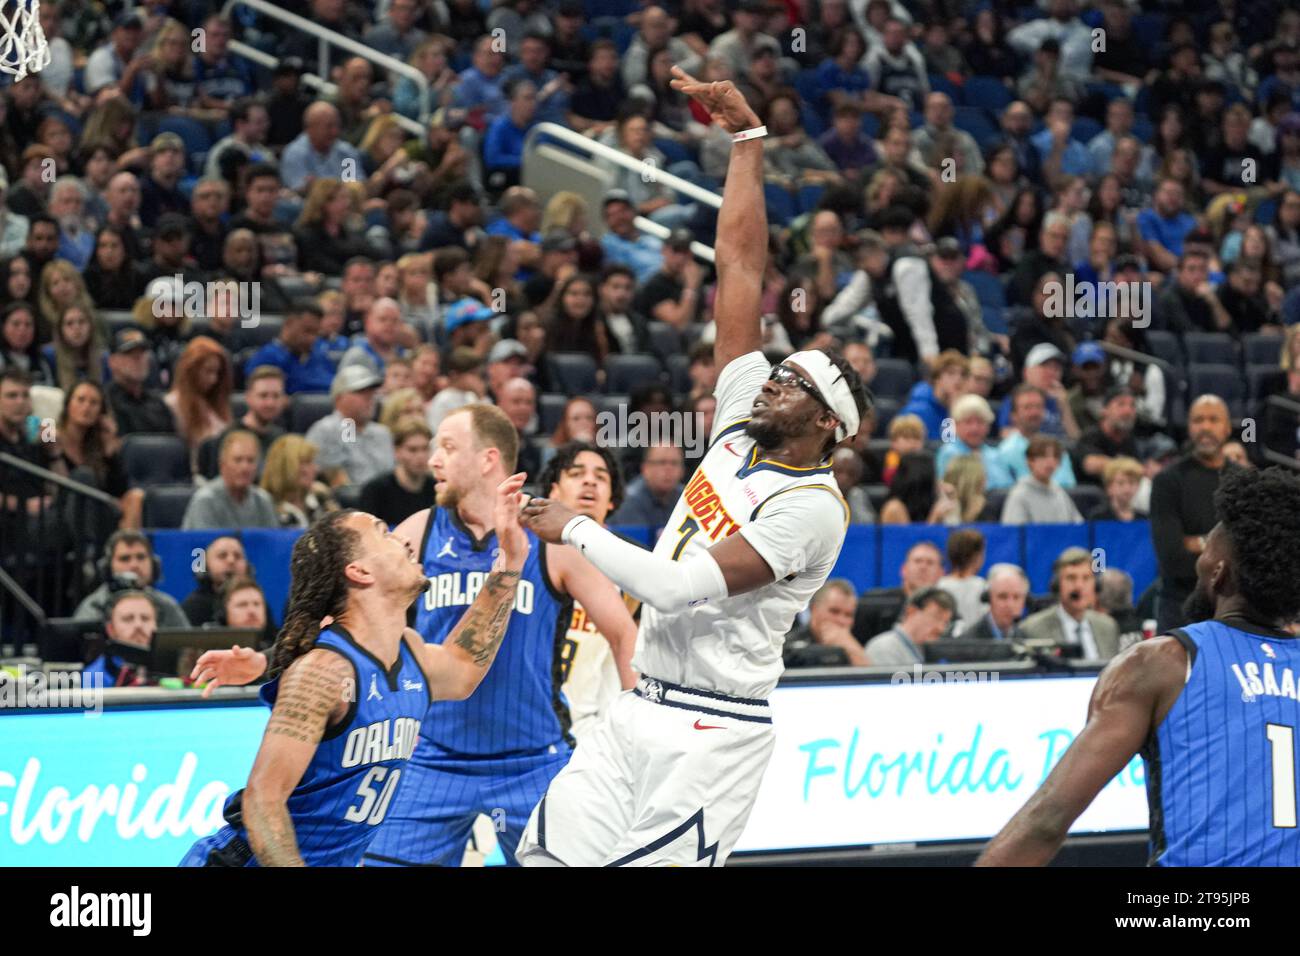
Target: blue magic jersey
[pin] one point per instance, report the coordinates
(346, 790)
(1221, 768)
(518, 706)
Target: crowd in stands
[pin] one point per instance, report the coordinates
(1061, 242)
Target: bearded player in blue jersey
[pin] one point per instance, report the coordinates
(1212, 707)
(348, 698)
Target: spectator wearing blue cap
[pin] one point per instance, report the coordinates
(462, 323)
(1088, 393)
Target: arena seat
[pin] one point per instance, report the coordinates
(164, 505)
(573, 373)
(987, 92)
(306, 409)
(1260, 348)
(781, 203)
(1261, 380)
(886, 409)
(550, 411)
(664, 339)
(987, 286)
(155, 459)
(1224, 381)
(1164, 345)
(679, 373)
(1210, 348)
(625, 372)
(894, 378)
(1087, 497)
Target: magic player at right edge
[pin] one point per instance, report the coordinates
(672, 772)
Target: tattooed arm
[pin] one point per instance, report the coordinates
(313, 694)
(457, 666)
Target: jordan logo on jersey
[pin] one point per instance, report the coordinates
(447, 551)
(374, 689)
(706, 507)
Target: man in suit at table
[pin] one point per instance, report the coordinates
(1071, 621)
(1007, 591)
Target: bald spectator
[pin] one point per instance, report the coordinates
(223, 559)
(938, 132)
(353, 446)
(318, 152)
(652, 496)
(381, 342)
(518, 399)
(879, 608)
(1008, 590)
(827, 639)
(656, 30)
(1182, 506)
(826, 263)
(232, 500)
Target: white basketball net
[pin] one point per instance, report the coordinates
(23, 48)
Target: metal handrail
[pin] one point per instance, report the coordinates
(618, 158)
(67, 483)
(329, 37)
(652, 228)
(1278, 458)
(1284, 403)
(1120, 351)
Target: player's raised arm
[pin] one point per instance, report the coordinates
(458, 665)
(1132, 695)
(315, 690)
(740, 255)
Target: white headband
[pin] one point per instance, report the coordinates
(830, 383)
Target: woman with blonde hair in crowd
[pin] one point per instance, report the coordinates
(169, 82)
(77, 352)
(324, 232)
(61, 288)
(430, 58)
(496, 263)
(568, 212)
(199, 398)
(112, 122)
(382, 155)
(960, 210)
(401, 403)
(967, 492)
(289, 477)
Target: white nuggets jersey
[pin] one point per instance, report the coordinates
(795, 518)
(590, 676)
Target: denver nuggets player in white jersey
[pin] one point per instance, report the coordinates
(671, 774)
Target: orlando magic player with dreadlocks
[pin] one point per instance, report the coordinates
(494, 754)
(348, 698)
(1212, 707)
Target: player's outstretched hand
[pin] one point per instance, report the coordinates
(232, 668)
(546, 519)
(510, 536)
(725, 103)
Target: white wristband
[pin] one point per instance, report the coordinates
(758, 132)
